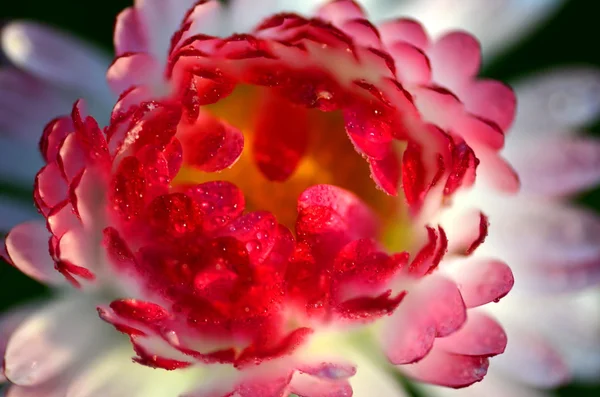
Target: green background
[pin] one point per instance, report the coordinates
(571, 37)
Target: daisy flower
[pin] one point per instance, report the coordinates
(198, 277)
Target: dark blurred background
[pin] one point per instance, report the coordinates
(570, 37)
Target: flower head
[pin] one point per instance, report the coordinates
(240, 211)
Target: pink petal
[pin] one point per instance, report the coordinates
(258, 230)
(404, 30)
(220, 203)
(359, 218)
(492, 101)
(496, 172)
(448, 369)
(483, 281)
(131, 70)
(27, 246)
(412, 65)
(130, 34)
(212, 145)
(386, 173)
(362, 32)
(455, 58)
(559, 166)
(51, 186)
(338, 12)
(436, 309)
(480, 336)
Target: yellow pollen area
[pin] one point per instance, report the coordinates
(330, 158)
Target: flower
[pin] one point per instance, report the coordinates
(201, 273)
(107, 373)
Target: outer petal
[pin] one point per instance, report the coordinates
(56, 57)
(51, 340)
(27, 246)
(557, 167)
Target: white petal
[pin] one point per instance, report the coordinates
(556, 102)
(13, 212)
(247, 14)
(27, 246)
(8, 323)
(114, 374)
(56, 57)
(371, 380)
(51, 340)
(496, 23)
(557, 167)
(27, 104)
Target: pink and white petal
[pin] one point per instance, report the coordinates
(491, 100)
(496, 172)
(481, 281)
(557, 102)
(496, 24)
(134, 69)
(480, 336)
(532, 359)
(448, 369)
(207, 19)
(412, 65)
(51, 340)
(557, 167)
(159, 20)
(403, 30)
(455, 58)
(434, 309)
(14, 211)
(56, 57)
(530, 232)
(129, 34)
(27, 247)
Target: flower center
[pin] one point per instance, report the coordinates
(287, 148)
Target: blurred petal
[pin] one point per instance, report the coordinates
(56, 57)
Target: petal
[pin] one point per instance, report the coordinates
(403, 30)
(312, 386)
(56, 57)
(496, 24)
(482, 281)
(436, 309)
(8, 323)
(491, 100)
(27, 246)
(20, 116)
(371, 380)
(531, 359)
(480, 336)
(51, 340)
(557, 167)
(448, 369)
(557, 101)
(133, 69)
(455, 58)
